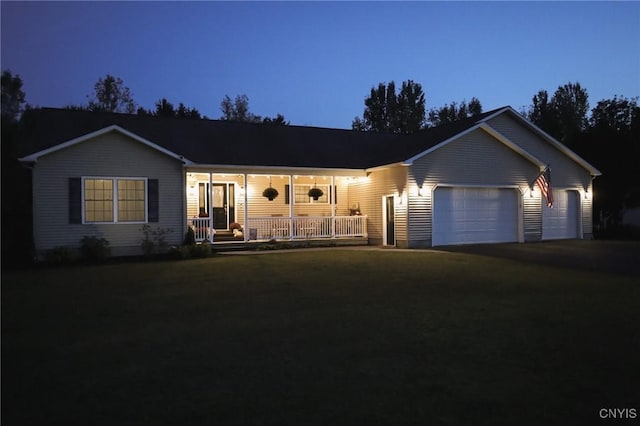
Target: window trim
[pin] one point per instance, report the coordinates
(114, 180)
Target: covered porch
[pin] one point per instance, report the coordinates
(226, 206)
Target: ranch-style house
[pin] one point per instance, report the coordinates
(472, 181)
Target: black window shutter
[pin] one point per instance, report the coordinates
(286, 194)
(153, 215)
(75, 200)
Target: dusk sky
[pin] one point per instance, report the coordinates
(315, 62)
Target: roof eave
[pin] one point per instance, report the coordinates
(284, 170)
(388, 166)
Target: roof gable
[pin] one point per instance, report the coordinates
(113, 128)
(547, 137)
(488, 129)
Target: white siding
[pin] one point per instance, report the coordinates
(368, 193)
(532, 216)
(109, 155)
(260, 206)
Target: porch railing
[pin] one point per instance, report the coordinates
(298, 227)
(201, 228)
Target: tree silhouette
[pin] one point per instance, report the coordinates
(111, 95)
(454, 112)
(388, 112)
(13, 97)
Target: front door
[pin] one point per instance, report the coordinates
(390, 225)
(223, 205)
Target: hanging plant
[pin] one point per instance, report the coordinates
(270, 193)
(315, 193)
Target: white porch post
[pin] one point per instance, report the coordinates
(246, 210)
(185, 191)
(333, 194)
(210, 195)
(291, 207)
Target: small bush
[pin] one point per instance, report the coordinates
(61, 255)
(154, 240)
(201, 250)
(190, 237)
(95, 249)
(180, 252)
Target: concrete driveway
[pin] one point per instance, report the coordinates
(620, 257)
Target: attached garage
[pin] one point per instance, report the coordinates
(474, 215)
(562, 220)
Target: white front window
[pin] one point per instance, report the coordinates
(115, 200)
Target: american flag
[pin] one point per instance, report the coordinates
(544, 182)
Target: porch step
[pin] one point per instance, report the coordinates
(226, 236)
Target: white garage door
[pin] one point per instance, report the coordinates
(561, 221)
(474, 215)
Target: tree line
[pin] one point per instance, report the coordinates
(111, 95)
(405, 112)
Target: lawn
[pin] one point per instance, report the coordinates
(333, 337)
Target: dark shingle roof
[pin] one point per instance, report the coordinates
(224, 142)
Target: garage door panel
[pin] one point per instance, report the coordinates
(474, 215)
(561, 221)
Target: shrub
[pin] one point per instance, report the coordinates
(180, 252)
(154, 240)
(201, 250)
(95, 249)
(189, 237)
(60, 255)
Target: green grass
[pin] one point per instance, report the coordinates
(318, 338)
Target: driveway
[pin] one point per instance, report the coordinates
(620, 257)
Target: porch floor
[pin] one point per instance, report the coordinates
(232, 245)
